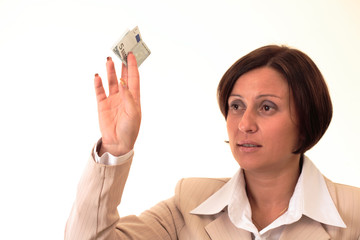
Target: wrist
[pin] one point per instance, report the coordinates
(113, 149)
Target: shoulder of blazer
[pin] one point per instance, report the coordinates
(343, 194)
(347, 201)
(191, 192)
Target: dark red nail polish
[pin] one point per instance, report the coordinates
(96, 74)
(108, 58)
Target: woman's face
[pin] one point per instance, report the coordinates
(261, 121)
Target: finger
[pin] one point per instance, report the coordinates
(112, 79)
(133, 77)
(99, 89)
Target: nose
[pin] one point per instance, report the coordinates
(248, 123)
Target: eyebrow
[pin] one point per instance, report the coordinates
(257, 97)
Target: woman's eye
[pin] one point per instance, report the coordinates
(266, 107)
(234, 106)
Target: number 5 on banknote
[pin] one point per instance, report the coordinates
(131, 41)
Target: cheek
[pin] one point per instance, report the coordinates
(231, 127)
(231, 131)
(294, 137)
(284, 134)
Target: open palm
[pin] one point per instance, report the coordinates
(120, 112)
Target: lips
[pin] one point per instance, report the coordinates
(249, 144)
(249, 147)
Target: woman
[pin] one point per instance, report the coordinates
(277, 106)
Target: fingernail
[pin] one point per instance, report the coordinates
(96, 74)
(108, 58)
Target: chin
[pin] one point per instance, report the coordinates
(249, 163)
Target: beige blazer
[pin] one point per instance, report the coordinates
(94, 214)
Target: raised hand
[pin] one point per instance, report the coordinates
(120, 112)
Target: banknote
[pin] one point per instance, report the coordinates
(131, 41)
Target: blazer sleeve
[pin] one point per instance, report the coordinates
(94, 214)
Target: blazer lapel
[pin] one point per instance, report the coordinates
(223, 229)
(305, 228)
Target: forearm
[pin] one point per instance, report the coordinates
(94, 212)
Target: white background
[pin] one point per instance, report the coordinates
(50, 50)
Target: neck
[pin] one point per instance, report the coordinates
(269, 192)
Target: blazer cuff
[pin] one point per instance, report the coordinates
(109, 159)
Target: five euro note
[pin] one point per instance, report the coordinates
(131, 42)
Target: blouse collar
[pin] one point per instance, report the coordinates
(311, 197)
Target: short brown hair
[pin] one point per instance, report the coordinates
(306, 83)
